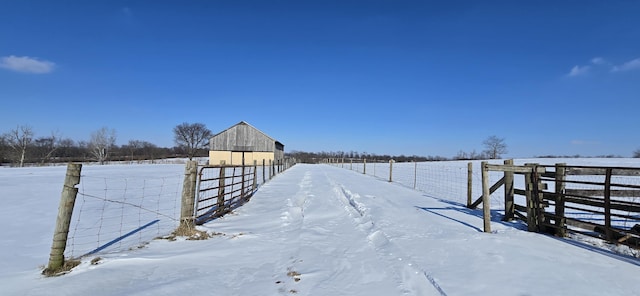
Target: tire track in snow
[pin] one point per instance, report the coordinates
(413, 279)
(286, 276)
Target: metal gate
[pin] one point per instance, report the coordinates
(223, 188)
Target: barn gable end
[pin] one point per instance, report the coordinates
(244, 142)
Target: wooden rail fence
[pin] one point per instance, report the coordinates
(602, 202)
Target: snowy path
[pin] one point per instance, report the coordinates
(321, 230)
(325, 236)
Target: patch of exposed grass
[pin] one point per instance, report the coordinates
(95, 261)
(64, 269)
(191, 233)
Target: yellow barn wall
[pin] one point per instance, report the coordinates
(235, 158)
(259, 156)
(215, 157)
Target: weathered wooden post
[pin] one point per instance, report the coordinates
(364, 170)
(221, 188)
(264, 167)
(560, 186)
(243, 187)
(607, 204)
(270, 169)
(532, 219)
(509, 205)
(486, 209)
(65, 211)
(187, 220)
(469, 184)
(391, 170)
(255, 175)
(273, 168)
(351, 165)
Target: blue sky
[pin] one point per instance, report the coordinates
(384, 77)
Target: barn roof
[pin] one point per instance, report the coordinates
(247, 124)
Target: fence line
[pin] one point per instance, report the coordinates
(115, 213)
(444, 180)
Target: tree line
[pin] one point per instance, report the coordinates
(494, 146)
(20, 146)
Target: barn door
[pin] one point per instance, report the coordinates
(241, 158)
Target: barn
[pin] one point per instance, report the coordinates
(244, 143)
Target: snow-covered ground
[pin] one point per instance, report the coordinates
(312, 230)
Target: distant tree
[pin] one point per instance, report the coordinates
(636, 153)
(462, 155)
(19, 140)
(150, 150)
(133, 147)
(191, 137)
(494, 147)
(3, 148)
(47, 146)
(101, 142)
(67, 148)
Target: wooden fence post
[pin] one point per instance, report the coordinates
(270, 169)
(264, 167)
(469, 184)
(351, 165)
(255, 175)
(221, 189)
(607, 204)
(243, 186)
(486, 210)
(391, 170)
(364, 170)
(509, 205)
(65, 210)
(532, 219)
(187, 220)
(560, 186)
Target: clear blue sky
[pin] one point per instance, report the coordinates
(384, 77)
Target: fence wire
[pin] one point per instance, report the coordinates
(114, 213)
(444, 180)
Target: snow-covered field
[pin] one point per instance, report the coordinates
(312, 230)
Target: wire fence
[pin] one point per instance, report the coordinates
(116, 211)
(118, 208)
(444, 180)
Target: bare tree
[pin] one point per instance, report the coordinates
(47, 146)
(3, 147)
(68, 148)
(134, 147)
(494, 147)
(636, 153)
(191, 137)
(149, 150)
(101, 142)
(19, 139)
